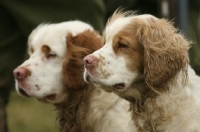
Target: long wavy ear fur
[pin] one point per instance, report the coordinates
(77, 48)
(165, 52)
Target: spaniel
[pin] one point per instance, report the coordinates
(145, 61)
(53, 74)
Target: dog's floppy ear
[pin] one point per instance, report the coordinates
(165, 52)
(77, 48)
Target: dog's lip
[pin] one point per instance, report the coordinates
(23, 93)
(88, 77)
(51, 96)
(119, 86)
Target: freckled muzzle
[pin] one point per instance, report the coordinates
(95, 71)
(20, 74)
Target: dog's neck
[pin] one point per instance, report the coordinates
(140, 105)
(72, 114)
(149, 107)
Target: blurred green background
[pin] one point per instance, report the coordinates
(29, 115)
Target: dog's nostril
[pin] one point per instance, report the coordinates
(51, 96)
(16, 74)
(89, 60)
(20, 73)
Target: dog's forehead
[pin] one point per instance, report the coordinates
(120, 23)
(44, 34)
(55, 35)
(47, 36)
(116, 26)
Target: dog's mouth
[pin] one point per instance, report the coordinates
(51, 97)
(48, 99)
(87, 77)
(119, 86)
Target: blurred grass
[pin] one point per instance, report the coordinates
(29, 115)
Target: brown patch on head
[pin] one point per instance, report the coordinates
(46, 49)
(77, 48)
(165, 51)
(127, 45)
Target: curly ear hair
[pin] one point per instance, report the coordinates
(165, 52)
(77, 48)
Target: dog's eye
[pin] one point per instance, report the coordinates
(49, 56)
(122, 46)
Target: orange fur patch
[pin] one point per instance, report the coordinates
(72, 113)
(46, 49)
(31, 49)
(133, 52)
(78, 47)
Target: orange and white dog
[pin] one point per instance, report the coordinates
(145, 61)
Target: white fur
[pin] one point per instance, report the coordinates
(109, 113)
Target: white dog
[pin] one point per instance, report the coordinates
(53, 74)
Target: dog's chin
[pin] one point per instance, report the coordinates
(53, 99)
(88, 78)
(98, 83)
(42, 100)
(107, 89)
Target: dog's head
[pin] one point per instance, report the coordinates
(55, 63)
(137, 48)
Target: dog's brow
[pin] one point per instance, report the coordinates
(45, 49)
(31, 49)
